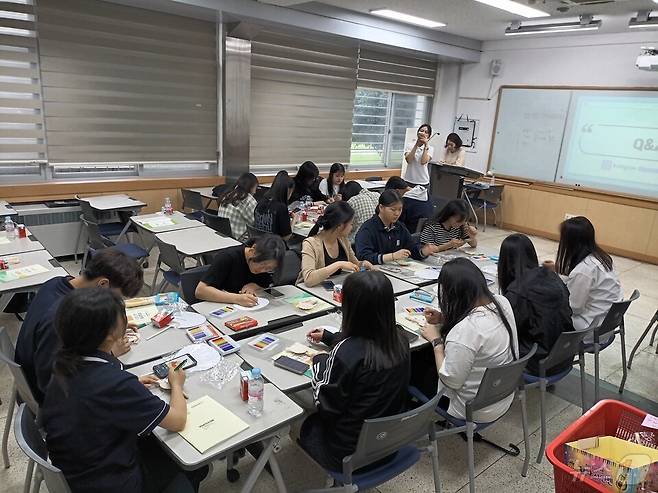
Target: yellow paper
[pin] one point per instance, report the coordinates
(209, 423)
(141, 314)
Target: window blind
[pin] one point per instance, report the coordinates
(126, 84)
(302, 99)
(396, 73)
(21, 121)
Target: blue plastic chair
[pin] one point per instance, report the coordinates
(96, 241)
(379, 438)
(488, 199)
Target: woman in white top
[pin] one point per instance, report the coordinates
(333, 185)
(417, 156)
(453, 153)
(478, 332)
(587, 271)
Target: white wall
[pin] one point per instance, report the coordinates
(585, 60)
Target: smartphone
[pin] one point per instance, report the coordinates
(291, 365)
(274, 293)
(161, 370)
(328, 285)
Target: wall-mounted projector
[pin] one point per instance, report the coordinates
(648, 59)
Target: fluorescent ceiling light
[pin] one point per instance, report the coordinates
(410, 19)
(643, 20)
(586, 23)
(516, 8)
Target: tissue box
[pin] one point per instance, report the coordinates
(623, 466)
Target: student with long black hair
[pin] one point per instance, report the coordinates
(97, 417)
(327, 250)
(478, 331)
(383, 239)
(271, 214)
(415, 202)
(539, 299)
(366, 374)
(449, 228)
(307, 182)
(587, 271)
(238, 204)
(417, 155)
(239, 272)
(333, 185)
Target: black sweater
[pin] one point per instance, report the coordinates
(540, 301)
(346, 393)
(373, 241)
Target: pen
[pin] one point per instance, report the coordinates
(180, 364)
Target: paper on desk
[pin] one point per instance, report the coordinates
(262, 303)
(141, 314)
(411, 322)
(158, 222)
(209, 423)
(21, 272)
(4, 240)
(308, 303)
(490, 269)
(205, 356)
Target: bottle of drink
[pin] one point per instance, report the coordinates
(10, 228)
(168, 208)
(256, 388)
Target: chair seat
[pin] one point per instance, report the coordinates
(111, 229)
(132, 250)
(400, 462)
(484, 203)
(172, 277)
(551, 380)
(461, 422)
(196, 215)
(589, 348)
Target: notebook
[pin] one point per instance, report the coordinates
(209, 423)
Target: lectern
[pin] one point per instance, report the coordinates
(447, 181)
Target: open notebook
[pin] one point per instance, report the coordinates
(209, 423)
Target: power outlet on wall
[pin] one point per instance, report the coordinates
(569, 216)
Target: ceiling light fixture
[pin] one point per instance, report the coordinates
(516, 8)
(643, 20)
(410, 19)
(586, 23)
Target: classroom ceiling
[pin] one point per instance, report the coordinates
(478, 21)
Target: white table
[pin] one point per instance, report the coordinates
(399, 287)
(6, 209)
(106, 203)
(205, 192)
(279, 313)
(193, 242)
(278, 412)
(32, 283)
(146, 232)
(171, 339)
(371, 185)
(18, 245)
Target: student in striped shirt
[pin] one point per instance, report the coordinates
(449, 228)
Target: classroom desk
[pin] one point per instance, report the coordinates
(279, 313)
(32, 283)
(194, 242)
(372, 185)
(6, 209)
(18, 245)
(285, 380)
(399, 287)
(147, 232)
(171, 339)
(206, 193)
(107, 203)
(279, 411)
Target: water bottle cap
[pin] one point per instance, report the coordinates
(255, 372)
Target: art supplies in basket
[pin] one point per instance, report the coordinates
(623, 466)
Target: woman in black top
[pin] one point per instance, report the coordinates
(539, 299)
(366, 374)
(307, 182)
(239, 272)
(271, 214)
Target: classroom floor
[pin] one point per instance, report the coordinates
(495, 471)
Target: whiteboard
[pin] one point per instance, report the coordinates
(529, 132)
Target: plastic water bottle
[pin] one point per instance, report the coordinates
(168, 208)
(10, 228)
(256, 389)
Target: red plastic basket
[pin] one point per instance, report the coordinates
(606, 418)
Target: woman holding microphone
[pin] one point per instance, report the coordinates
(417, 156)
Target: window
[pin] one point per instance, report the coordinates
(379, 125)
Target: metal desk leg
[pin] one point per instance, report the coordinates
(5, 298)
(123, 231)
(467, 198)
(266, 456)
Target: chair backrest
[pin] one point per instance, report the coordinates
(7, 352)
(381, 437)
(565, 348)
(498, 383)
(254, 233)
(615, 316)
(492, 195)
(421, 223)
(87, 210)
(289, 271)
(32, 444)
(192, 200)
(220, 224)
(94, 237)
(189, 280)
(169, 256)
(374, 178)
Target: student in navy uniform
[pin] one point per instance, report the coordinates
(383, 239)
(307, 183)
(37, 340)
(366, 374)
(415, 202)
(238, 272)
(97, 416)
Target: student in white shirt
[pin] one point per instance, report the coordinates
(418, 155)
(478, 332)
(587, 271)
(333, 185)
(453, 153)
